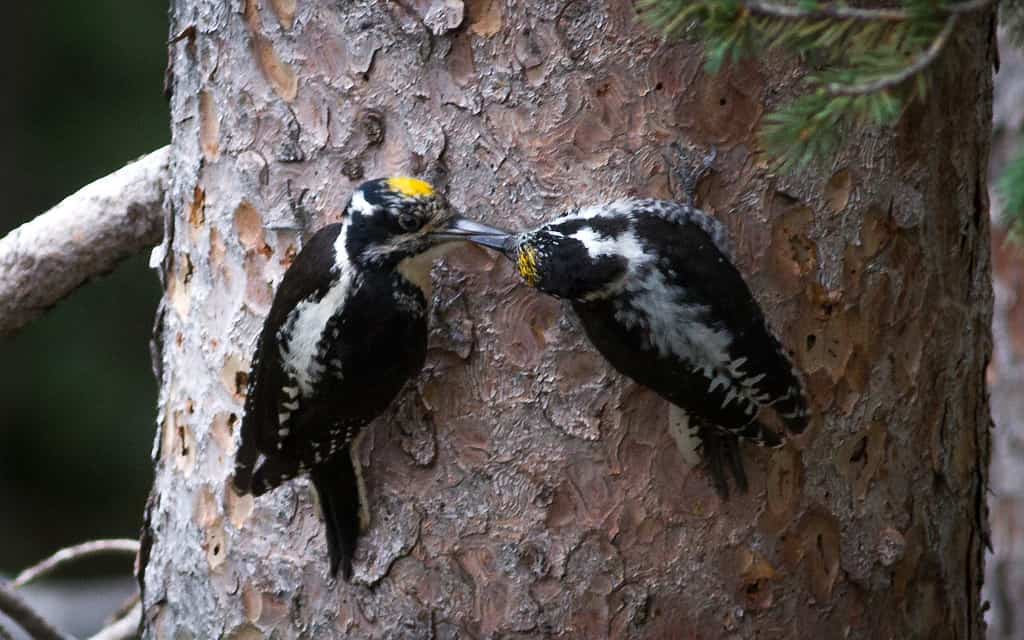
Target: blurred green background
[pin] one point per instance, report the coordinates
(82, 95)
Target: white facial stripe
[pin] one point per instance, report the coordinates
(360, 204)
(625, 244)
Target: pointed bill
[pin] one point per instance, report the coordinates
(460, 228)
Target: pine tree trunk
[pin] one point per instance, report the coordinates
(1004, 569)
(520, 488)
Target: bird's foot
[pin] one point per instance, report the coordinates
(686, 172)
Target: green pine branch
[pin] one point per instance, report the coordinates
(1011, 188)
(874, 62)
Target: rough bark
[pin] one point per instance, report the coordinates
(520, 488)
(84, 236)
(1004, 578)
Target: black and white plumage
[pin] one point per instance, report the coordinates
(655, 289)
(346, 330)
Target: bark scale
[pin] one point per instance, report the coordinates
(520, 488)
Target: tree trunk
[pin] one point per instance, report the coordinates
(1004, 570)
(520, 488)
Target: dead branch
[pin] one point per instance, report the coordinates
(71, 554)
(86, 235)
(12, 606)
(123, 628)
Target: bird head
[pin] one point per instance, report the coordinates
(569, 257)
(391, 219)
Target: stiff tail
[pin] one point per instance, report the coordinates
(759, 434)
(338, 488)
(721, 451)
(698, 438)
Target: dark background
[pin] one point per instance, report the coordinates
(81, 88)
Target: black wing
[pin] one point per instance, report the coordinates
(708, 286)
(681, 214)
(627, 348)
(699, 261)
(310, 274)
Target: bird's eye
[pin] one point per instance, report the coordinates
(408, 222)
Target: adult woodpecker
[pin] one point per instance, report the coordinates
(346, 330)
(656, 292)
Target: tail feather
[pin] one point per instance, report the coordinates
(338, 489)
(759, 434)
(792, 409)
(721, 452)
(271, 473)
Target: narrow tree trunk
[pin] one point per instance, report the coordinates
(520, 488)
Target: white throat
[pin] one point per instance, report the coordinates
(416, 269)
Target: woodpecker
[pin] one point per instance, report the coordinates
(346, 330)
(657, 293)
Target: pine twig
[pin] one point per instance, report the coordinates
(72, 554)
(37, 627)
(901, 76)
(843, 12)
(835, 12)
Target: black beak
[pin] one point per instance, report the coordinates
(460, 228)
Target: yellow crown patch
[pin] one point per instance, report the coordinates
(411, 187)
(526, 263)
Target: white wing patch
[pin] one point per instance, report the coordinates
(673, 326)
(307, 322)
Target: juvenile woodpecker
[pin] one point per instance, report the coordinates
(346, 330)
(656, 292)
